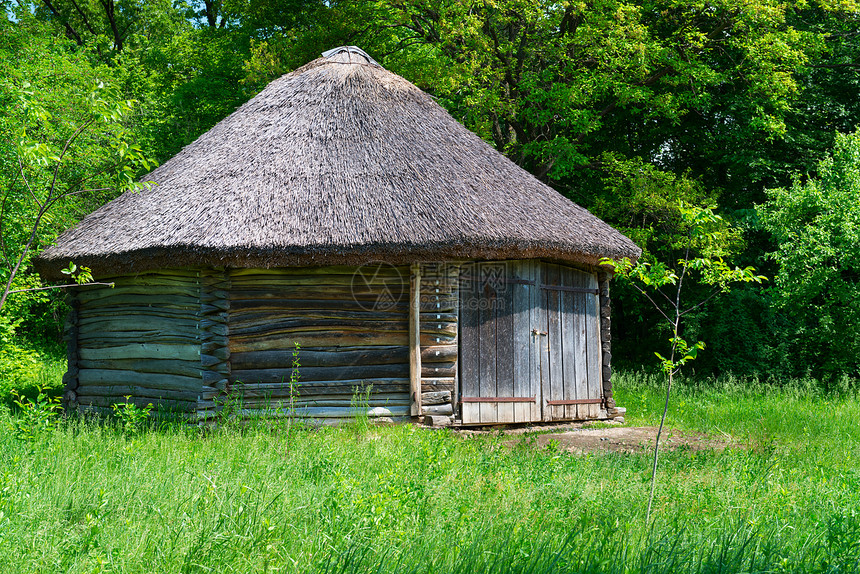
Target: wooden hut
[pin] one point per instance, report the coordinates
(343, 210)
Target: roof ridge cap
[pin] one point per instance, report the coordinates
(349, 50)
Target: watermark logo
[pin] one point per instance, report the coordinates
(378, 286)
(485, 277)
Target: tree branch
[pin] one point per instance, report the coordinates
(70, 32)
(702, 302)
(62, 286)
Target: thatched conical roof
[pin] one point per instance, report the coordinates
(338, 162)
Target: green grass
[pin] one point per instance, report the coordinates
(47, 375)
(88, 497)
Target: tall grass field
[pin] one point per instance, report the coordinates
(87, 496)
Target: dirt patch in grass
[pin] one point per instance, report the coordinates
(624, 439)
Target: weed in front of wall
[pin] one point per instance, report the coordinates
(35, 417)
(131, 416)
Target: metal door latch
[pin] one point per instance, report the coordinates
(536, 332)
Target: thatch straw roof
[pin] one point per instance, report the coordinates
(338, 162)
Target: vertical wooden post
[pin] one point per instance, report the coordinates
(606, 340)
(415, 339)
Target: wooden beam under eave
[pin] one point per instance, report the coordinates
(415, 339)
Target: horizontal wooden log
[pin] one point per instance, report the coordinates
(211, 362)
(311, 391)
(258, 293)
(163, 366)
(315, 357)
(316, 339)
(160, 405)
(208, 346)
(171, 284)
(305, 402)
(211, 377)
(208, 294)
(438, 369)
(308, 374)
(107, 377)
(436, 398)
(150, 291)
(190, 315)
(101, 339)
(329, 412)
(437, 339)
(237, 275)
(219, 318)
(166, 274)
(213, 327)
(444, 317)
(70, 381)
(434, 328)
(141, 323)
(188, 304)
(249, 317)
(119, 392)
(441, 303)
(281, 395)
(446, 409)
(142, 351)
(215, 306)
(379, 282)
(216, 351)
(437, 384)
(335, 297)
(438, 353)
(302, 325)
(323, 387)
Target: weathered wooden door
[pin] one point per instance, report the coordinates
(570, 375)
(529, 343)
(500, 364)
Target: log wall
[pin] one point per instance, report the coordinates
(140, 338)
(215, 365)
(439, 339)
(352, 326)
(195, 341)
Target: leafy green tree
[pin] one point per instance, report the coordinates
(63, 151)
(625, 106)
(59, 158)
(816, 225)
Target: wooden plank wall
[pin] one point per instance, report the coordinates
(439, 345)
(139, 338)
(573, 369)
(501, 358)
(352, 326)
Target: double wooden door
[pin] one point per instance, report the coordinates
(529, 343)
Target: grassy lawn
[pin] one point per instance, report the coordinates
(86, 497)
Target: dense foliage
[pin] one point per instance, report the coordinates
(816, 225)
(625, 106)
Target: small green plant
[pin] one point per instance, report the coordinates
(35, 417)
(131, 416)
(295, 374)
(360, 407)
(81, 275)
(701, 252)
